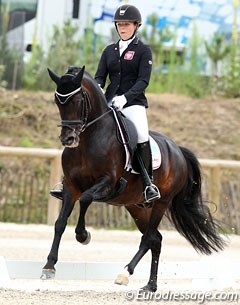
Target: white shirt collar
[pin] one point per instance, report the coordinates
(123, 44)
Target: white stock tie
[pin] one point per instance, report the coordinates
(123, 44)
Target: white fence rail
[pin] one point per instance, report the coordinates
(55, 172)
(54, 155)
(216, 167)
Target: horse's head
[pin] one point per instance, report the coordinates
(73, 105)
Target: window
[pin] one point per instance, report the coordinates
(75, 13)
(20, 11)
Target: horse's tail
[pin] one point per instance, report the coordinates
(190, 216)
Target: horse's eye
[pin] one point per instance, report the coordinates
(73, 101)
(78, 101)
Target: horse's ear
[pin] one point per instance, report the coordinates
(54, 77)
(78, 78)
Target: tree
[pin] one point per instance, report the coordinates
(65, 49)
(10, 57)
(156, 39)
(217, 51)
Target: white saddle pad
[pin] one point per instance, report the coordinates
(156, 157)
(156, 154)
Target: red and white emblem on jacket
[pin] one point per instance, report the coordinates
(129, 55)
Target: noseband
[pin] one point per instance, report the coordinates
(86, 109)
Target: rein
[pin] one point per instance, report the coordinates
(98, 118)
(64, 98)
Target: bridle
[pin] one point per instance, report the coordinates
(82, 123)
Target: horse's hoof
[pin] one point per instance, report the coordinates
(87, 240)
(48, 274)
(122, 279)
(151, 288)
(84, 240)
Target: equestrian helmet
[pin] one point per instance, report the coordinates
(128, 13)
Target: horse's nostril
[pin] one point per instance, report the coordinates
(67, 140)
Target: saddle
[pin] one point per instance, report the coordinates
(127, 135)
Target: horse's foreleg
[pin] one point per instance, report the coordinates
(98, 191)
(82, 235)
(48, 270)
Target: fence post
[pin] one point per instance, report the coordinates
(214, 195)
(55, 177)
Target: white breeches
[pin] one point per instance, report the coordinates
(137, 114)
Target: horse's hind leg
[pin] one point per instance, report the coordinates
(147, 221)
(152, 240)
(155, 240)
(48, 270)
(141, 218)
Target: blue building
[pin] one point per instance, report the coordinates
(36, 17)
(180, 16)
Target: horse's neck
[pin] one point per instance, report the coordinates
(96, 99)
(101, 132)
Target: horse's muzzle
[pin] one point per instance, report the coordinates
(69, 140)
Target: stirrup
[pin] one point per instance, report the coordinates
(155, 193)
(56, 192)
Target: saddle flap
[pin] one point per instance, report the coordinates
(126, 132)
(128, 136)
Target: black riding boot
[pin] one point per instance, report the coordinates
(57, 193)
(144, 157)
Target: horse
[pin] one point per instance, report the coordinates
(93, 162)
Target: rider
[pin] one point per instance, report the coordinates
(128, 63)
